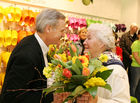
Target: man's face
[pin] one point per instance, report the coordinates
(56, 33)
(134, 29)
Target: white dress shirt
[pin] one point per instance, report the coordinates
(119, 84)
(45, 50)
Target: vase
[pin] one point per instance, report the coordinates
(83, 99)
(60, 97)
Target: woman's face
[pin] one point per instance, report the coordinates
(93, 44)
(83, 34)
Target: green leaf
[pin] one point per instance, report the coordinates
(79, 79)
(59, 90)
(92, 91)
(53, 87)
(91, 68)
(78, 63)
(108, 87)
(48, 90)
(77, 91)
(64, 64)
(97, 63)
(70, 87)
(69, 62)
(55, 62)
(76, 69)
(105, 74)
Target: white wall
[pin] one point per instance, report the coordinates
(125, 11)
(138, 12)
(129, 12)
(103, 8)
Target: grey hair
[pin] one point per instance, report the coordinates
(104, 33)
(48, 17)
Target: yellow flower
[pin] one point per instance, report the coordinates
(103, 68)
(84, 60)
(94, 82)
(52, 48)
(47, 72)
(63, 57)
(103, 58)
(94, 72)
(69, 58)
(66, 81)
(50, 64)
(74, 59)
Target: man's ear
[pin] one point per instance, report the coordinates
(47, 28)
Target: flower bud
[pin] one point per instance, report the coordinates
(74, 49)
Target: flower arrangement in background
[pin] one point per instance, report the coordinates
(75, 74)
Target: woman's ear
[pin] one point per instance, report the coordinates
(102, 45)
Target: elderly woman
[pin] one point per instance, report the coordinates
(99, 40)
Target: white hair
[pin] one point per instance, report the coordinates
(104, 33)
(48, 17)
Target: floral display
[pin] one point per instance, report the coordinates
(75, 74)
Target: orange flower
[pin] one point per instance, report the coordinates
(85, 72)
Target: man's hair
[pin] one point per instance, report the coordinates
(48, 17)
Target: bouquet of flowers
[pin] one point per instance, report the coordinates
(75, 74)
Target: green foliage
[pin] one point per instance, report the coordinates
(92, 91)
(79, 79)
(76, 69)
(79, 64)
(53, 87)
(105, 74)
(108, 87)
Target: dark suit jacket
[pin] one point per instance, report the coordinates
(125, 43)
(21, 73)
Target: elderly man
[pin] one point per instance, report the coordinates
(125, 43)
(23, 82)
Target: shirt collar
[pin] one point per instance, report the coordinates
(43, 46)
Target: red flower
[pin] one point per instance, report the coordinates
(85, 72)
(67, 73)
